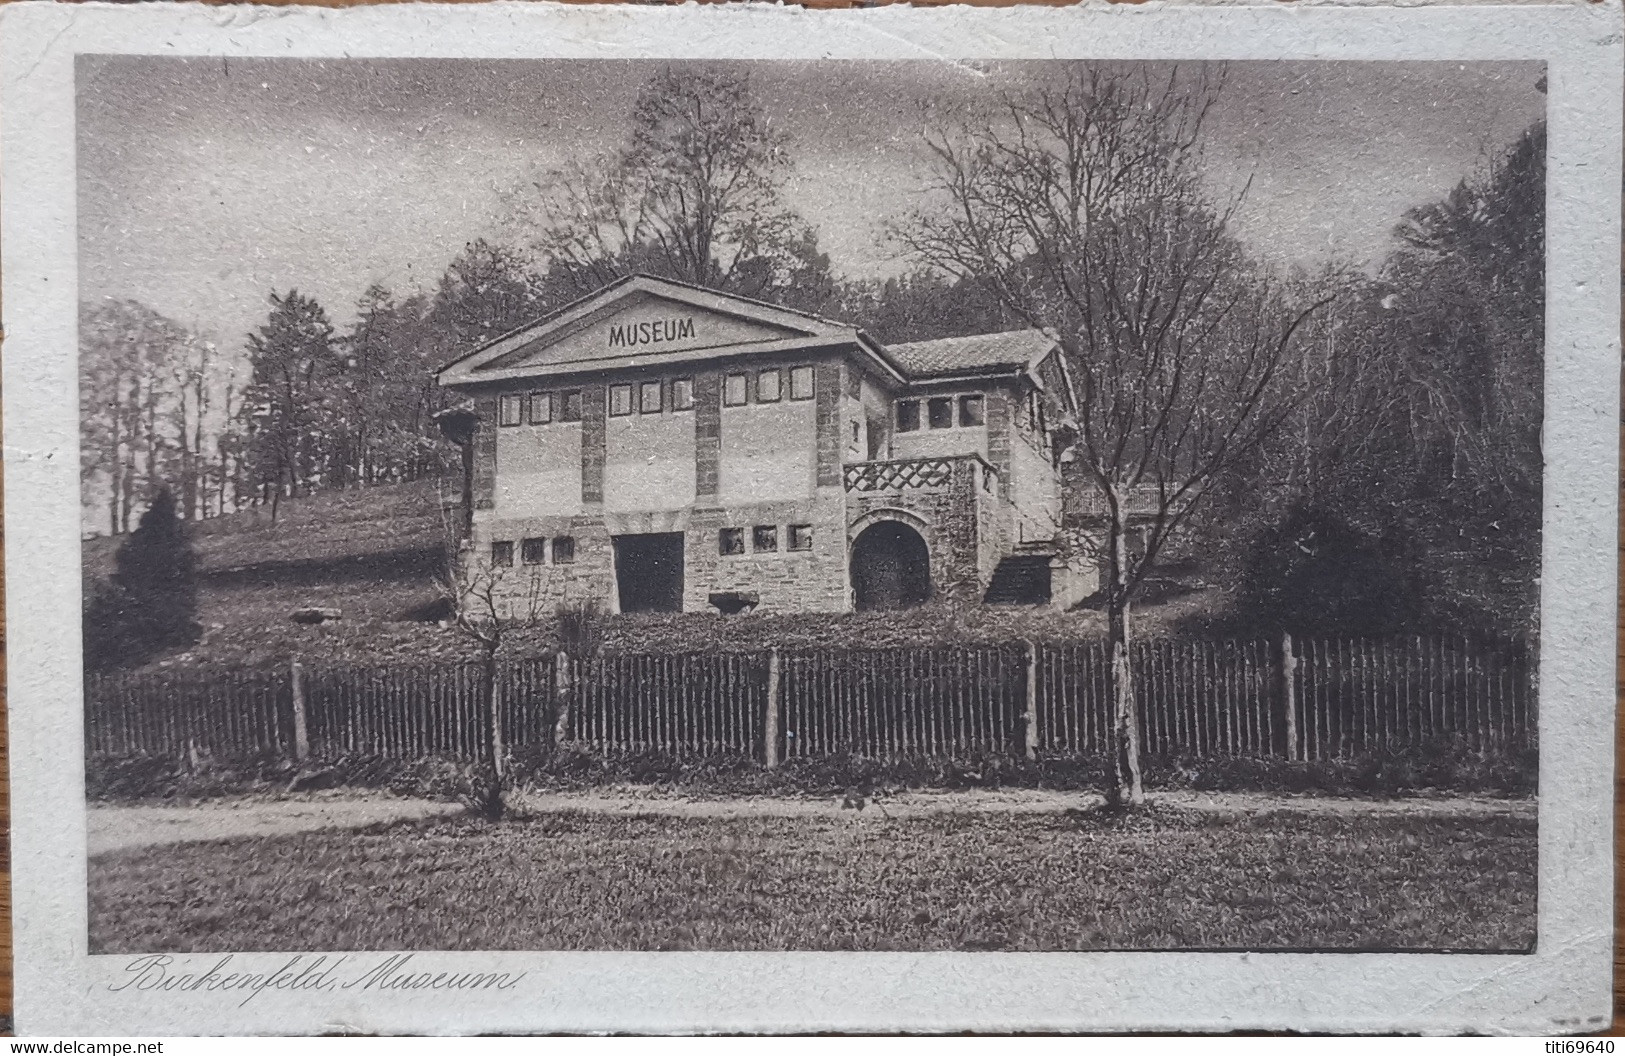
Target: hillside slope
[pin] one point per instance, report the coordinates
(330, 527)
(378, 554)
(373, 553)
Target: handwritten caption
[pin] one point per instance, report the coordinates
(160, 973)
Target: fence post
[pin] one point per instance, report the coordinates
(563, 683)
(1289, 694)
(1030, 716)
(770, 720)
(498, 747)
(301, 731)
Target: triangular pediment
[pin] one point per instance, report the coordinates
(636, 320)
(643, 322)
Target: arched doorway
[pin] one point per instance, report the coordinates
(891, 567)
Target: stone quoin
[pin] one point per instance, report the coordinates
(657, 445)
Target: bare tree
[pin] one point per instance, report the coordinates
(490, 601)
(131, 396)
(1080, 204)
(693, 194)
(193, 372)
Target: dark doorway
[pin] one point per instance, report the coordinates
(649, 572)
(891, 568)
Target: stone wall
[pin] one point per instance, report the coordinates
(536, 590)
(828, 387)
(954, 519)
(707, 433)
(784, 580)
(994, 533)
(485, 452)
(593, 452)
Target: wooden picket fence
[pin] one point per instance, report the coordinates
(685, 704)
(1301, 699)
(1306, 699)
(946, 701)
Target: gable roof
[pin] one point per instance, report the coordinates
(1012, 351)
(565, 340)
(597, 332)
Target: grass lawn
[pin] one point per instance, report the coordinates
(1168, 880)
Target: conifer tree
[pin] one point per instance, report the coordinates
(158, 570)
(151, 603)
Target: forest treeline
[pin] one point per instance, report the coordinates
(1396, 432)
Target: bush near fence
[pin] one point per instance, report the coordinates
(1311, 700)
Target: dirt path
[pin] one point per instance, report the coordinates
(631, 801)
(113, 828)
(124, 828)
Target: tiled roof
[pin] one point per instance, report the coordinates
(1012, 350)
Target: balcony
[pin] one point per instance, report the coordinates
(927, 474)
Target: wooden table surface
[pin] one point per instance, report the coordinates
(5, 761)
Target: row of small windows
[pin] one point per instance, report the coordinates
(939, 413)
(559, 550)
(540, 408)
(653, 397)
(764, 539)
(769, 386)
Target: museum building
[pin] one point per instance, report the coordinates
(658, 446)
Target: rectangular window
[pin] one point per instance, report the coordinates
(682, 394)
(767, 386)
(570, 406)
(541, 408)
(509, 410)
(801, 537)
(620, 400)
(801, 383)
(908, 415)
(856, 431)
(564, 549)
(649, 397)
(731, 542)
(970, 411)
(533, 551)
(940, 412)
(502, 555)
(764, 538)
(733, 391)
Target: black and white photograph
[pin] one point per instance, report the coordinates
(810, 506)
(891, 506)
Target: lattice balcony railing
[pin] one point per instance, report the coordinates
(905, 473)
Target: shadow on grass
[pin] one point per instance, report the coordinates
(1158, 879)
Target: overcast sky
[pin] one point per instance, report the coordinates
(204, 184)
